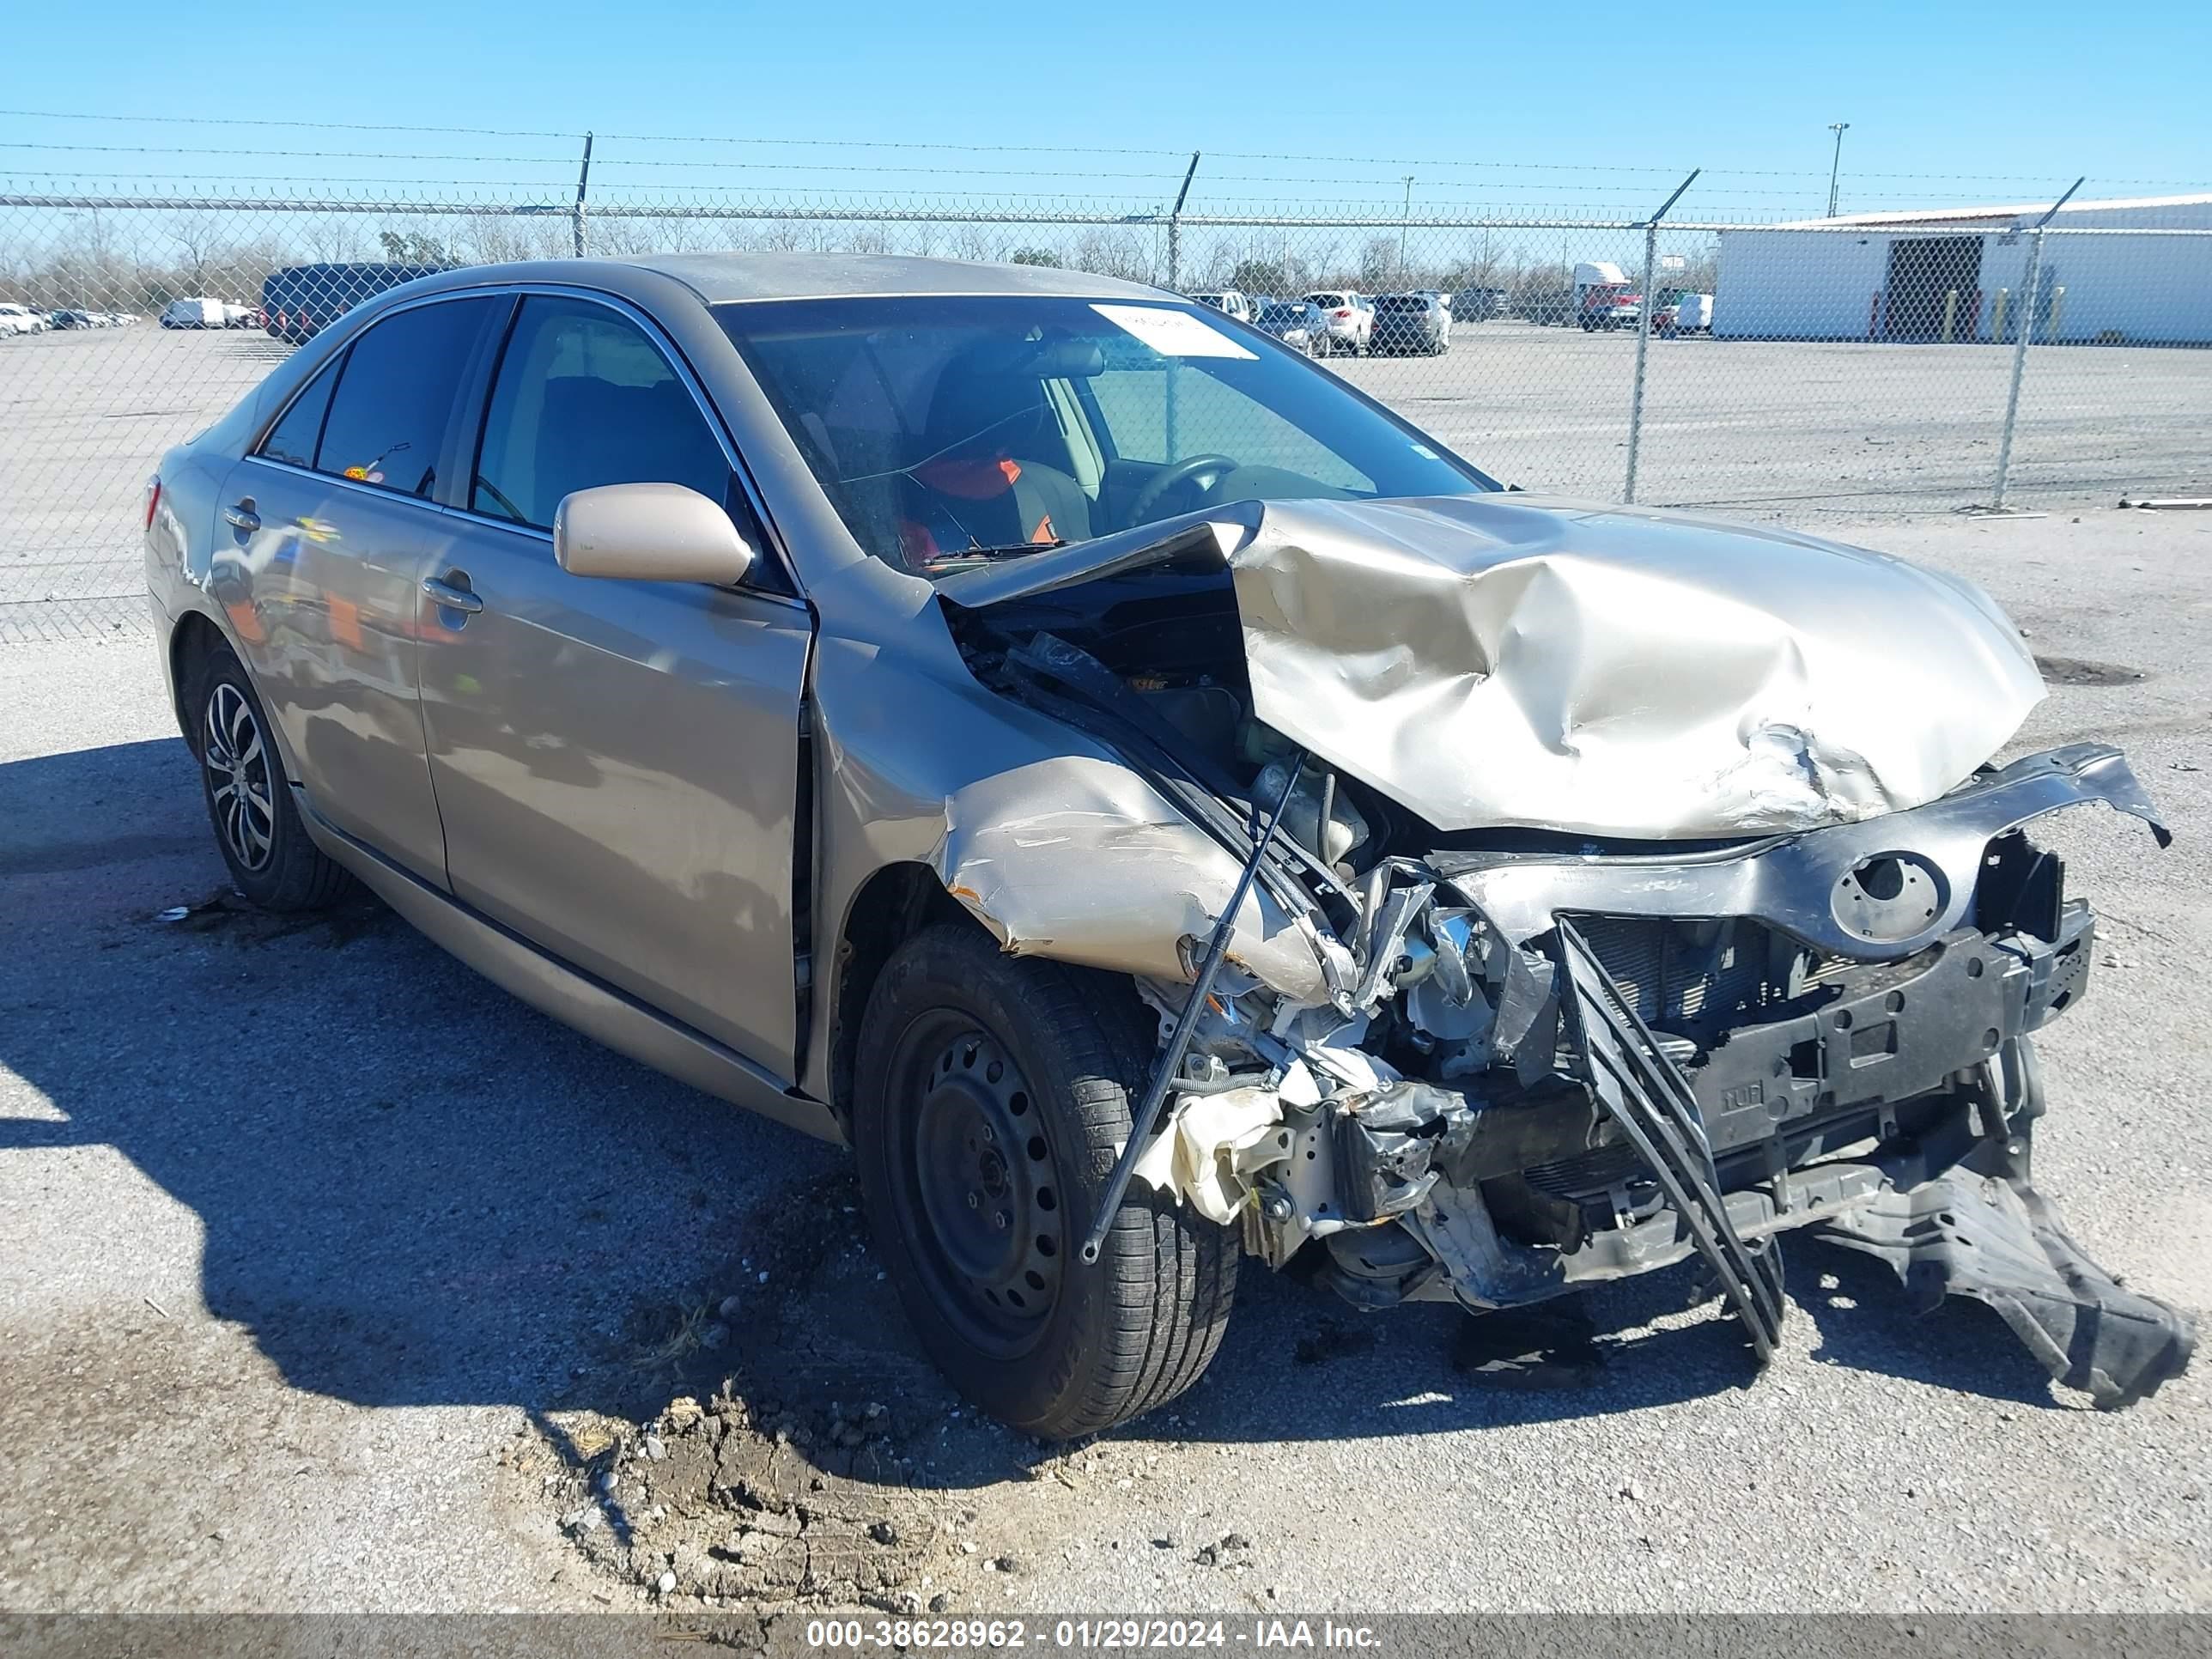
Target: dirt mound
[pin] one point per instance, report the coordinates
(790, 1444)
(737, 1501)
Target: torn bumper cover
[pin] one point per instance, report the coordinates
(1606, 1119)
(1997, 1240)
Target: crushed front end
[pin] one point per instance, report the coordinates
(1494, 1064)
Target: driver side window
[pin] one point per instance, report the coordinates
(583, 397)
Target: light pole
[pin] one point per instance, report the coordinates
(1835, 166)
(1401, 226)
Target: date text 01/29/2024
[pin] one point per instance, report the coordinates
(989, 1635)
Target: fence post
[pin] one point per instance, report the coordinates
(1172, 419)
(2029, 296)
(1644, 330)
(583, 178)
(1175, 227)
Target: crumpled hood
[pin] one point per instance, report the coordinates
(1505, 659)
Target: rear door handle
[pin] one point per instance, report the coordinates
(452, 598)
(242, 517)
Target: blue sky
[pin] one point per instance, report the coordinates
(1578, 104)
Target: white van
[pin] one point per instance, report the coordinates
(1693, 314)
(201, 312)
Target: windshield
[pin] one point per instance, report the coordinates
(940, 425)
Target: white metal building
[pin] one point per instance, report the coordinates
(1958, 273)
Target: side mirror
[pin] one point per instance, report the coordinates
(648, 532)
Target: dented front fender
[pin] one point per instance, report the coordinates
(1082, 860)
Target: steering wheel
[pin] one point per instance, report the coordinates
(1190, 467)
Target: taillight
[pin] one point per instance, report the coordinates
(1345, 311)
(152, 499)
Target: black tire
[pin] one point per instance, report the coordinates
(249, 801)
(961, 1038)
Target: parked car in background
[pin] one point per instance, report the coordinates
(1414, 322)
(1138, 758)
(71, 318)
(1476, 305)
(1298, 324)
(1228, 301)
(299, 302)
(199, 312)
(1609, 308)
(22, 319)
(1350, 319)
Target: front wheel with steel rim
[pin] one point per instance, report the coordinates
(991, 1095)
(249, 801)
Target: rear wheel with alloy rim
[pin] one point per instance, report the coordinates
(249, 801)
(239, 794)
(991, 1095)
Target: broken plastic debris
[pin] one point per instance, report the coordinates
(1212, 1140)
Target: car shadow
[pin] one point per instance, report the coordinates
(414, 1190)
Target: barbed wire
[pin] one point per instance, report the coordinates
(1215, 188)
(1645, 169)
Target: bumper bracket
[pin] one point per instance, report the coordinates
(1646, 1094)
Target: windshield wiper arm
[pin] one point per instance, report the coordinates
(1010, 550)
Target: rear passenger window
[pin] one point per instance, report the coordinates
(395, 396)
(583, 398)
(292, 439)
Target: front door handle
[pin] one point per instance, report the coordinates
(451, 597)
(241, 516)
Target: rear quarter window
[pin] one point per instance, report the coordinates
(393, 407)
(294, 438)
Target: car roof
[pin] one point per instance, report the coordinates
(726, 278)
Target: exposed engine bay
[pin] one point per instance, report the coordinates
(1491, 1062)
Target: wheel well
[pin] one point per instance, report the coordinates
(195, 639)
(892, 906)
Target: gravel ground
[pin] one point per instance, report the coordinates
(330, 1277)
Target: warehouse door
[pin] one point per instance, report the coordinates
(1927, 273)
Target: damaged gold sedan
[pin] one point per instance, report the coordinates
(1153, 803)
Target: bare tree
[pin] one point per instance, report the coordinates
(199, 237)
(979, 242)
(336, 240)
(1106, 254)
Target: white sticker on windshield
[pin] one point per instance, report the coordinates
(1172, 333)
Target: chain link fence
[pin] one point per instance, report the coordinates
(1897, 363)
